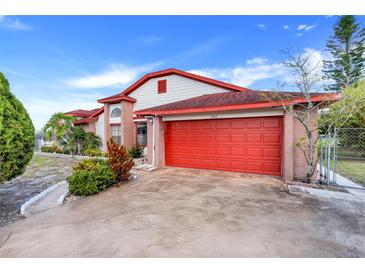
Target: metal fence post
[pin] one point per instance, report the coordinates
(334, 155)
(328, 167)
(321, 159)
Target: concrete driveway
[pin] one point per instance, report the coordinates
(192, 213)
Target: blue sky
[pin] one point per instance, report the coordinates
(60, 63)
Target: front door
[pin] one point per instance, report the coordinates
(142, 134)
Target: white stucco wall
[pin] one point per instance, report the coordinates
(99, 126)
(178, 88)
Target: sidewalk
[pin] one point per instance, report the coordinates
(353, 188)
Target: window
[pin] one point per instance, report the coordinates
(115, 112)
(162, 86)
(116, 134)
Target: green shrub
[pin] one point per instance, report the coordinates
(136, 151)
(52, 149)
(90, 176)
(94, 152)
(16, 134)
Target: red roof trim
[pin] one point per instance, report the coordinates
(117, 98)
(85, 120)
(316, 98)
(91, 118)
(170, 71)
(98, 112)
(80, 112)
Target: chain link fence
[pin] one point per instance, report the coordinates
(351, 143)
(350, 153)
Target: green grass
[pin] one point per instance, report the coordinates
(351, 169)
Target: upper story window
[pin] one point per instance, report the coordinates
(162, 86)
(115, 112)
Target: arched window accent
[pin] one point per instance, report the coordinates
(116, 112)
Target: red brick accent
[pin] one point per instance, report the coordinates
(299, 163)
(127, 124)
(107, 128)
(288, 146)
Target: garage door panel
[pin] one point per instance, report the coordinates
(254, 152)
(271, 168)
(238, 151)
(236, 137)
(241, 144)
(254, 137)
(254, 167)
(272, 138)
(223, 138)
(271, 123)
(272, 152)
(254, 123)
(237, 123)
(223, 151)
(222, 124)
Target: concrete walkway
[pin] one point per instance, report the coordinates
(353, 188)
(49, 201)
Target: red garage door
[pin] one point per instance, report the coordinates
(243, 144)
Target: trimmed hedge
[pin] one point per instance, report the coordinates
(51, 149)
(16, 134)
(94, 152)
(89, 177)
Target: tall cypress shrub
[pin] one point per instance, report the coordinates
(16, 134)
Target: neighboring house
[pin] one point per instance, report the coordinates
(187, 120)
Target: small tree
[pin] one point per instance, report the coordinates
(307, 78)
(72, 139)
(347, 47)
(119, 161)
(16, 134)
(351, 108)
(57, 126)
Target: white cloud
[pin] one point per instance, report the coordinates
(301, 27)
(261, 26)
(245, 75)
(14, 24)
(256, 61)
(259, 68)
(316, 57)
(286, 27)
(114, 75)
(304, 28)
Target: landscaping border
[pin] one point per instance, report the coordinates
(60, 155)
(61, 199)
(37, 197)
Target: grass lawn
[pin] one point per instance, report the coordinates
(353, 170)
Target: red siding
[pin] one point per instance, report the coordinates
(250, 145)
